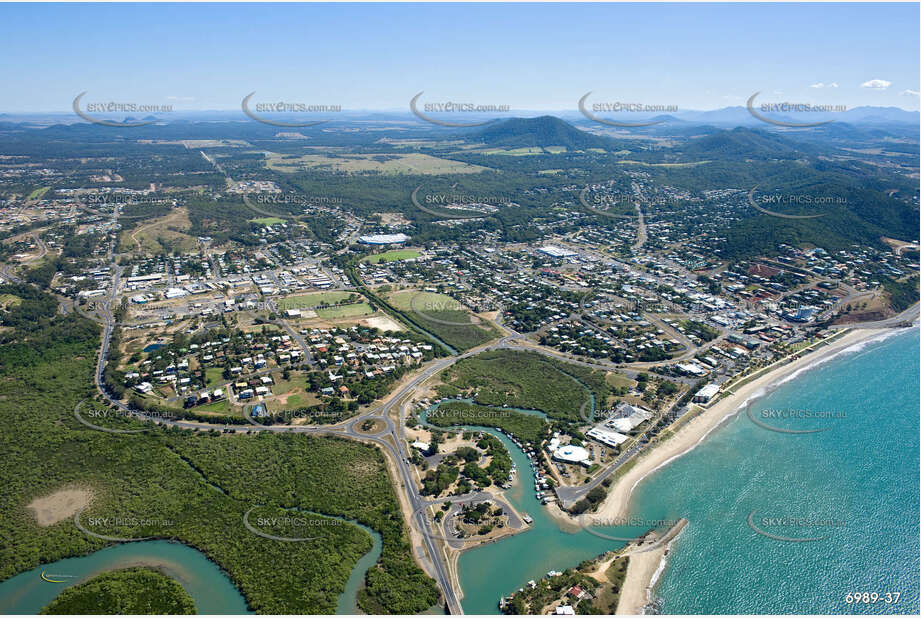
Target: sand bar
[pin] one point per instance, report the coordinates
(646, 565)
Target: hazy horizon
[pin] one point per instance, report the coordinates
(538, 57)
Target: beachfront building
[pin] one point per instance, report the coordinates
(606, 436)
(628, 417)
(707, 393)
(571, 454)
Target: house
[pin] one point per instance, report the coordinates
(144, 387)
(564, 610)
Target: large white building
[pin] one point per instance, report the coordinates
(571, 454)
(557, 252)
(707, 393)
(629, 417)
(383, 239)
(606, 436)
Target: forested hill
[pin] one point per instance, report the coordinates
(748, 143)
(543, 131)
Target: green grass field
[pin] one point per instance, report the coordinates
(515, 152)
(406, 300)
(37, 194)
(392, 256)
(345, 311)
(617, 380)
(311, 301)
(298, 397)
(221, 406)
(214, 375)
(9, 300)
(267, 220)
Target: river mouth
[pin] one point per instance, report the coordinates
(494, 570)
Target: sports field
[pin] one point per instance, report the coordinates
(392, 256)
(267, 221)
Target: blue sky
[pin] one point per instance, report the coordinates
(532, 57)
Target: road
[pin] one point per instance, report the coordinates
(390, 438)
(640, 230)
(908, 316)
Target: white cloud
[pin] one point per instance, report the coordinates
(910, 93)
(879, 84)
(828, 85)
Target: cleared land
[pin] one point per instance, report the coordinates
(383, 323)
(163, 235)
(410, 163)
(60, 505)
(345, 311)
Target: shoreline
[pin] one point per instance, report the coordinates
(694, 432)
(643, 571)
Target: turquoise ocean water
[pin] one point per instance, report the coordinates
(854, 486)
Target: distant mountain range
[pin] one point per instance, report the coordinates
(549, 131)
(727, 116)
(740, 116)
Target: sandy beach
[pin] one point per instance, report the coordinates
(616, 504)
(646, 567)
